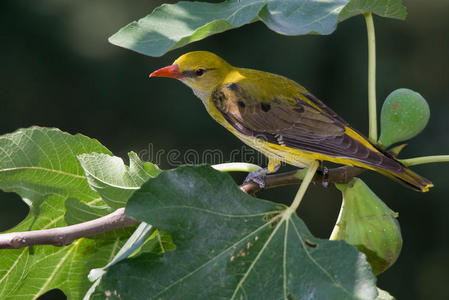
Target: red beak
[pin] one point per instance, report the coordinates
(170, 72)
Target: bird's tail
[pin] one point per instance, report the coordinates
(408, 178)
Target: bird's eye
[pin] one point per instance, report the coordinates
(199, 72)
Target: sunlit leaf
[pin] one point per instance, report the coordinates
(112, 179)
(41, 165)
(29, 272)
(37, 162)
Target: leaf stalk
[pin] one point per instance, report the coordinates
(372, 108)
(236, 167)
(425, 160)
(304, 185)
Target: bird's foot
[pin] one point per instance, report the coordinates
(325, 179)
(258, 177)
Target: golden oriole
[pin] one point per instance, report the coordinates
(280, 118)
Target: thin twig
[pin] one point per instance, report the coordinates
(63, 236)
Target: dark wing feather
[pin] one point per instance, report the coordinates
(295, 124)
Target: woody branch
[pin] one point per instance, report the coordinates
(63, 236)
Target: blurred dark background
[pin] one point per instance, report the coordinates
(58, 69)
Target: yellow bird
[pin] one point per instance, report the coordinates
(280, 118)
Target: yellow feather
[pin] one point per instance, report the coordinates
(349, 131)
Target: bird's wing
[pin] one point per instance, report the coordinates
(303, 124)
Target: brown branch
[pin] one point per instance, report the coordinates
(63, 236)
(336, 175)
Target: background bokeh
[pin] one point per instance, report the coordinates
(58, 69)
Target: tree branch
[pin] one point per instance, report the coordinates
(336, 175)
(63, 236)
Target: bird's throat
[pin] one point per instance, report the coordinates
(204, 96)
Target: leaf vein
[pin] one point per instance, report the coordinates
(315, 262)
(212, 259)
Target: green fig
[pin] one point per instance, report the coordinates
(368, 224)
(404, 114)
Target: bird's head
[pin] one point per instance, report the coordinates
(200, 70)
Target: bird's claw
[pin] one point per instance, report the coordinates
(257, 177)
(325, 181)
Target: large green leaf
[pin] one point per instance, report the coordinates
(231, 245)
(41, 165)
(172, 26)
(112, 179)
(384, 8)
(293, 17)
(29, 272)
(37, 162)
